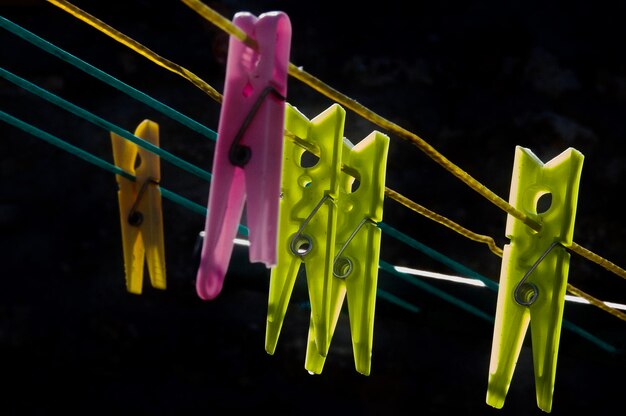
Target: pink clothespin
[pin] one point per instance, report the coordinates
(247, 163)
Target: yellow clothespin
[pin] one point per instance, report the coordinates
(357, 248)
(141, 213)
(307, 220)
(535, 266)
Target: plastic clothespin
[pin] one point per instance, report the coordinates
(308, 219)
(357, 248)
(248, 155)
(141, 212)
(535, 266)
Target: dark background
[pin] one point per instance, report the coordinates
(474, 79)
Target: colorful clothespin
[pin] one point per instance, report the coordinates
(308, 219)
(357, 248)
(535, 266)
(141, 213)
(248, 155)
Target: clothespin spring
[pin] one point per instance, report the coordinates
(342, 266)
(135, 218)
(301, 244)
(526, 293)
(238, 154)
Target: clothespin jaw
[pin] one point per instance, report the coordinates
(308, 218)
(535, 266)
(357, 248)
(248, 155)
(141, 213)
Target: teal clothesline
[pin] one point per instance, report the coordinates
(100, 122)
(108, 79)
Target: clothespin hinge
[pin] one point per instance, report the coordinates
(301, 244)
(238, 154)
(526, 293)
(342, 266)
(135, 218)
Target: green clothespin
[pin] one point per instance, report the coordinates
(357, 248)
(307, 220)
(535, 266)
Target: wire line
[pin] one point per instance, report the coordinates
(103, 164)
(444, 221)
(596, 302)
(459, 268)
(581, 251)
(137, 47)
(103, 76)
(435, 291)
(92, 118)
